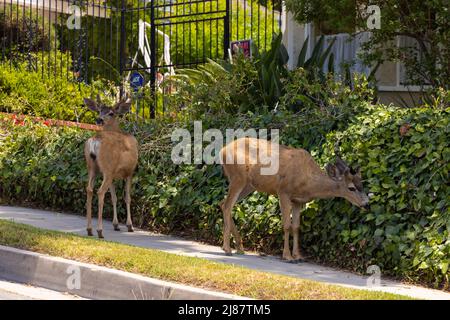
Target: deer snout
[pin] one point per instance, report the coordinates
(364, 201)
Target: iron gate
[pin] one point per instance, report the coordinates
(117, 37)
(171, 34)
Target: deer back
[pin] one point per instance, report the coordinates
(294, 170)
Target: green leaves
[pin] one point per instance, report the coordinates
(409, 207)
(271, 69)
(315, 63)
(54, 96)
(209, 73)
(444, 267)
(244, 85)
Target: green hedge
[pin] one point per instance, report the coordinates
(52, 94)
(404, 156)
(406, 232)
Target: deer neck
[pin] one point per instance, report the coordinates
(111, 125)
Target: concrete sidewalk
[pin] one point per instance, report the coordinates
(76, 224)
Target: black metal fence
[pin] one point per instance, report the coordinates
(112, 39)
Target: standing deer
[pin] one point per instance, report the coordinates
(298, 180)
(112, 153)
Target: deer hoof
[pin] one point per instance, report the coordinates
(100, 234)
(89, 232)
(130, 228)
(288, 259)
(227, 252)
(116, 227)
(299, 258)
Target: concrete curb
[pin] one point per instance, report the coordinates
(95, 282)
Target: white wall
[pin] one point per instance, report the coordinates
(293, 37)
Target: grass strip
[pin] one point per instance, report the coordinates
(171, 267)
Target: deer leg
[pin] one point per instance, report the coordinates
(90, 193)
(227, 207)
(286, 206)
(101, 199)
(128, 203)
(112, 191)
(296, 210)
(237, 237)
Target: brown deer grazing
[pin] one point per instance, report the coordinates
(298, 180)
(112, 153)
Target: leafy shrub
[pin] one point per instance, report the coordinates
(38, 162)
(440, 98)
(215, 89)
(263, 83)
(50, 95)
(404, 157)
(271, 67)
(303, 91)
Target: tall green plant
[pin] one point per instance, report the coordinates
(315, 63)
(320, 55)
(271, 67)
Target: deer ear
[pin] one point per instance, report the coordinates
(122, 107)
(341, 165)
(333, 171)
(356, 171)
(91, 104)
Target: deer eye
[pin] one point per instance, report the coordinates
(352, 189)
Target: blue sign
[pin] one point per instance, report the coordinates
(136, 81)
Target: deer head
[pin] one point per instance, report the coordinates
(349, 182)
(106, 114)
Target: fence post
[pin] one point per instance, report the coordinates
(153, 60)
(226, 30)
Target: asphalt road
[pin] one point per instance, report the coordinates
(17, 291)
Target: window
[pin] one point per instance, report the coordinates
(412, 52)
